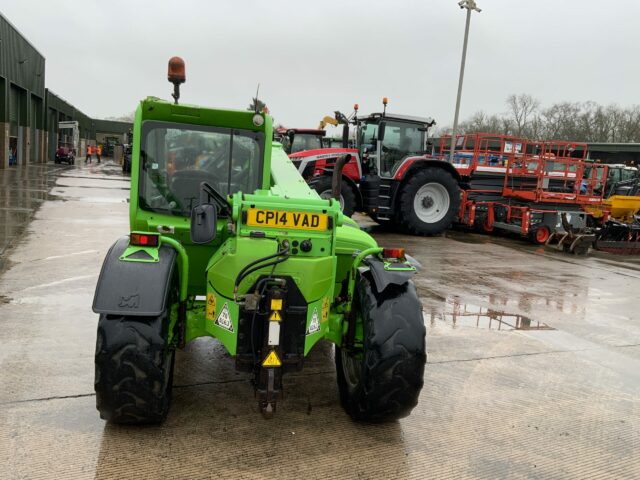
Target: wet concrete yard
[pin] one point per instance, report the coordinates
(533, 368)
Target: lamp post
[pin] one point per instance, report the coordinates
(469, 5)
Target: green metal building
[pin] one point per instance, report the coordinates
(22, 97)
(30, 114)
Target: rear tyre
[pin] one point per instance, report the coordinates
(429, 202)
(134, 369)
(382, 381)
(322, 185)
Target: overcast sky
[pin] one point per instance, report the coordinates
(312, 58)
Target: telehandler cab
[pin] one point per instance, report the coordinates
(228, 241)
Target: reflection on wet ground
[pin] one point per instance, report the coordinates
(459, 314)
(22, 190)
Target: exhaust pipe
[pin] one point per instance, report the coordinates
(336, 179)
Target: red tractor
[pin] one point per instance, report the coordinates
(392, 175)
(315, 156)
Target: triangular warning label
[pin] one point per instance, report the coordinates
(224, 319)
(314, 326)
(275, 316)
(272, 360)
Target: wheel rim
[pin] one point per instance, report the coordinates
(542, 234)
(327, 195)
(352, 369)
(431, 202)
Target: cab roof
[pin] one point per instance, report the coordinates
(313, 131)
(426, 121)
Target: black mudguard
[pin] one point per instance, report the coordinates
(133, 288)
(383, 278)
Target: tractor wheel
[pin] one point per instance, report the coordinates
(540, 235)
(322, 185)
(429, 202)
(134, 369)
(382, 381)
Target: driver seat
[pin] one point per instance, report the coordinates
(185, 187)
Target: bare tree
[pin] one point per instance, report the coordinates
(256, 105)
(521, 110)
(581, 122)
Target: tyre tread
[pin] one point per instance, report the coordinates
(410, 221)
(393, 370)
(323, 182)
(132, 356)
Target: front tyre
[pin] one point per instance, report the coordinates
(429, 201)
(134, 369)
(322, 185)
(382, 380)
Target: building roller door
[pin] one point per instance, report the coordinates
(14, 111)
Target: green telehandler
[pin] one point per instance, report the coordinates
(228, 241)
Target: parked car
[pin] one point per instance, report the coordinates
(65, 154)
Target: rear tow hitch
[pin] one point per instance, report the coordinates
(268, 382)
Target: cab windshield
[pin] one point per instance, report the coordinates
(400, 141)
(176, 158)
(305, 141)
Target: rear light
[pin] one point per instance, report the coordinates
(144, 239)
(393, 252)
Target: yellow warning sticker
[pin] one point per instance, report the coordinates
(275, 316)
(211, 306)
(276, 304)
(272, 360)
(325, 310)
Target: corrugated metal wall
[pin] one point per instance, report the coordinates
(20, 62)
(24, 101)
(22, 73)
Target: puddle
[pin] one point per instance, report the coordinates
(459, 314)
(427, 292)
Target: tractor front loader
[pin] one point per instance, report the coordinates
(228, 241)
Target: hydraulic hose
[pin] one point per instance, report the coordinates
(258, 264)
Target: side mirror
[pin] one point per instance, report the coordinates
(345, 136)
(381, 129)
(203, 223)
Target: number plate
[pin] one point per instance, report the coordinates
(280, 219)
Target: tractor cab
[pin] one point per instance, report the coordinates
(176, 157)
(296, 140)
(385, 141)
